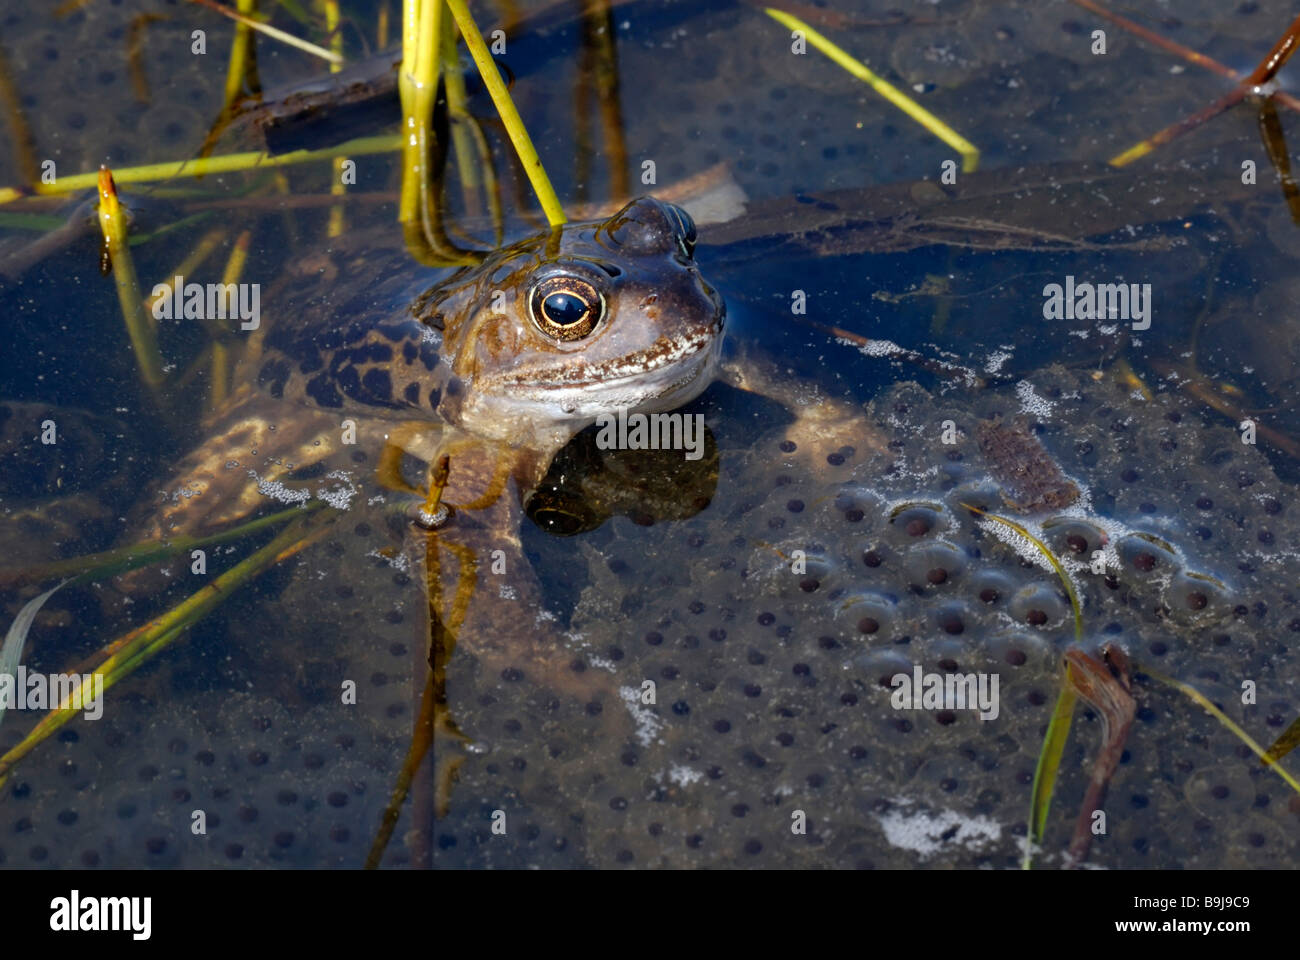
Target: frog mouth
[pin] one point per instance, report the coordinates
(643, 367)
(649, 381)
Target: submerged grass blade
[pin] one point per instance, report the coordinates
(970, 154)
(1051, 558)
(144, 341)
(1284, 744)
(1203, 701)
(109, 563)
(273, 32)
(20, 132)
(207, 243)
(1058, 729)
(1049, 764)
(16, 639)
(467, 165)
(134, 48)
(146, 642)
(225, 163)
(1176, 130)
(219, 377)
(514, 124)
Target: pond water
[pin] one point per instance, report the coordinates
(769, 594)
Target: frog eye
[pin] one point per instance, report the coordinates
(565, 307)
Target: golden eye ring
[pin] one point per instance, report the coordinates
(565, 307)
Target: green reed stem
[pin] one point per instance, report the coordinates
(514, 124)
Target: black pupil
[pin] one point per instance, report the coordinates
(564, 309)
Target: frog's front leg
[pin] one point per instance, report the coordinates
(482, 586)
(827, 431)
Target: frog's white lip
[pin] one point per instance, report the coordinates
(667, 385)
(636, 367)
(556, 411)
(646, 374)
(665, 375)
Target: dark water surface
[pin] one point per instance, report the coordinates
(772, 686)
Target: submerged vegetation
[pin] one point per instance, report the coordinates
(437, 132)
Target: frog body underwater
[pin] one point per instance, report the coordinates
(497, 366)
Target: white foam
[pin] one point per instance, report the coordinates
(923, 831)
(995, 361)
(1031, 402)
(648, 723)
(684, 776)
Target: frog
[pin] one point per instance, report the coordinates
(495, 367)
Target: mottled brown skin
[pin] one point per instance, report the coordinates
(464, 368)
(477, 368)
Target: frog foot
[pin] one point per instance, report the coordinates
(829, 435)
(827, 432)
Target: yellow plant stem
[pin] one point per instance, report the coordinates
(1227, 721)
(514, 124)
(220, 370)
(970, 154)
(418, 210)
(112, 222)
(417, 85)
(148, 641)
(207, 243)
(241, 56)
(467, 166)
(273, 32)
(1049, 764)
(336, 225)
(420, 204)
(202, 166)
